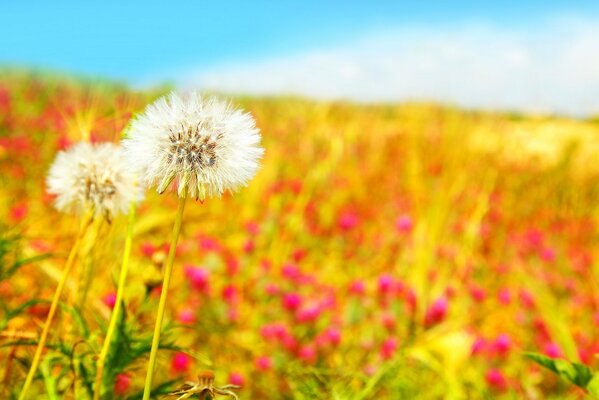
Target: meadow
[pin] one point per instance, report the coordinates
(382, 252)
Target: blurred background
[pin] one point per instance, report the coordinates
(535, 56)
(424, 223)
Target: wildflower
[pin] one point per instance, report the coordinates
(552, 350)
(357, 287)
(385, 283)
(388, 349)
(404, 223)
(180, 363)
(263, 363)
(308, 354)
(292, 301)
(496, 380)
(479, 345)
(504, 296)
(348, 221)
(436, 312)
(502, 344)
(122, 382)
(94, 176)
(18, 212)
(236, 378)
(198, 278)
(109, 300)
(203, 144)
(186, 316)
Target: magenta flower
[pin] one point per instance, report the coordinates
(180, 363)
(110, 300)
(235, 378)
(388, 349)
(348, 221)
(198, 277)
(292, 301)
(404, 223)
(263, 363)
(496, 380)
(436, 312)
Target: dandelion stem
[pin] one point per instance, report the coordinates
(117, 305)
(42, 341)
(162, 304)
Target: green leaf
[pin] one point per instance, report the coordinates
(593, 386)
(576, 373)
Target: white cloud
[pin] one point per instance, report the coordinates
(554, 67)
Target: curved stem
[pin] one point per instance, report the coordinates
(42, 342)
(163, 296)
(117, 305)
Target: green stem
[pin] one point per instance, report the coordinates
(163, 295)
(42, 342)
(117, 305)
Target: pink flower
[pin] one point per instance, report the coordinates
(388, 349)
(502, 344)
(307, 354)
(385, 283)
(249, 246)
(348, 221)
(291, 272)
(310, 314)
(208, 244)
(479, 346)
(552, 350)
(404, 223)
(478, 293)
(333, 336)
(232, 266)
(388, 321)
(180, 363)
(148, 249)
(548, 254)
(230, 294)
(275, 330)
(357, 288)
(252, 228)
(186, 316)
(18, 212)
(436, 312)
(289, 342)
(526, 298)
(236, 378)
(263, 363)
(504, 296)
(198, 277)
(292, 301)
(272, 289)
(121, 383)
(109, 299)
(496, 380)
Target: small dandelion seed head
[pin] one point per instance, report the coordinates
(203, 145)
(93, 175)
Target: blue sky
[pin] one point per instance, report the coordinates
(226, 45)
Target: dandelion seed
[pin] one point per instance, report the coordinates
(204, 145)
(93, 176)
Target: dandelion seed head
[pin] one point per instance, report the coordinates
(93, 175)
(203, 145)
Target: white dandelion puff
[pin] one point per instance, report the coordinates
(93, 175)
(204, 145)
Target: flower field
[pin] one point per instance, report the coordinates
(381, 252)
